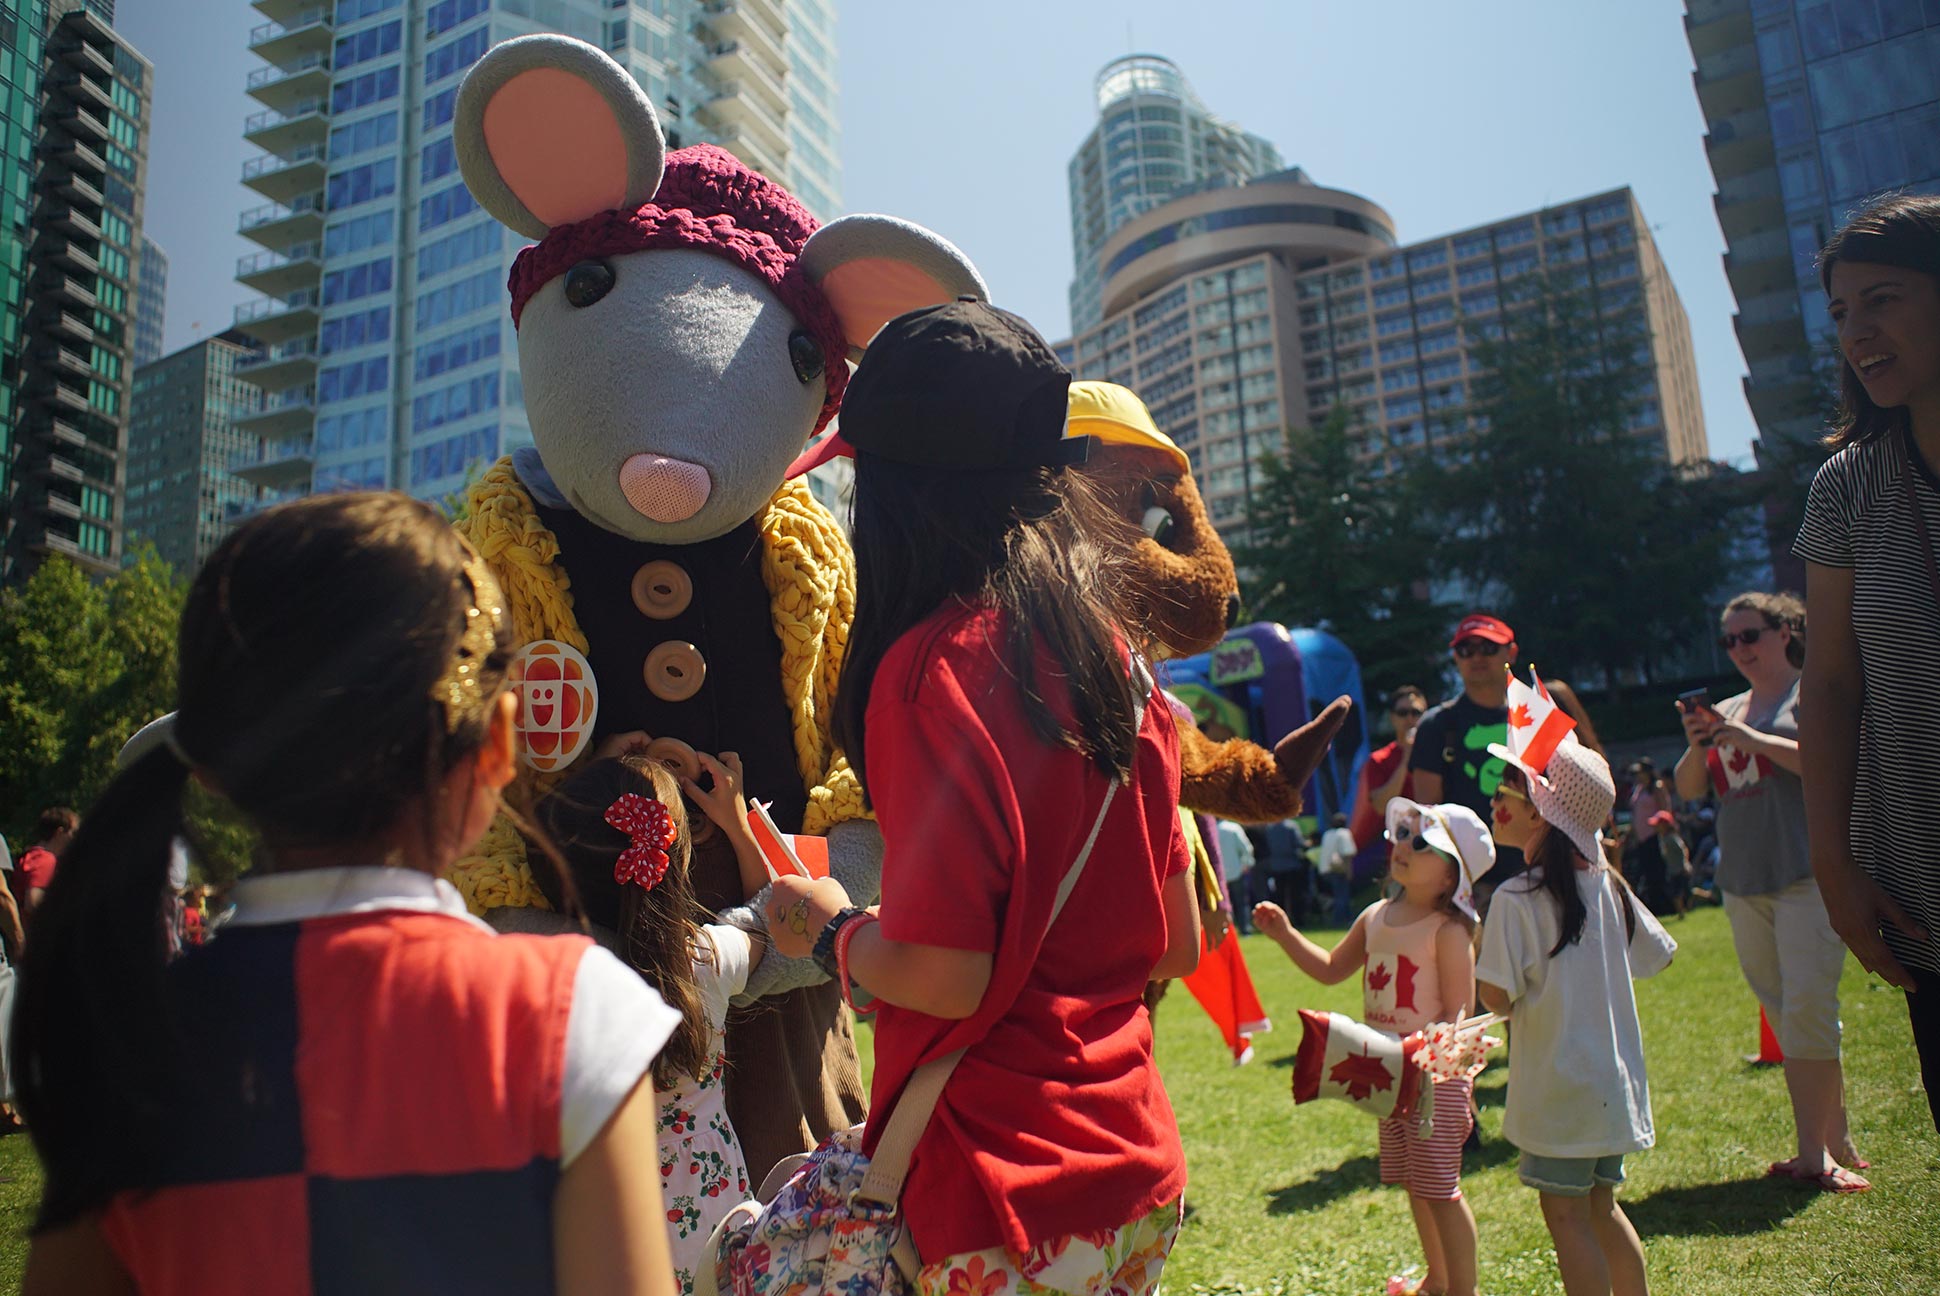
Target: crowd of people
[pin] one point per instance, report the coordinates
(392, 1096)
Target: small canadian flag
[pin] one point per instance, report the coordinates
(1537, 726)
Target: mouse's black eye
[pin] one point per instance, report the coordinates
(805, 353)
(587, 282)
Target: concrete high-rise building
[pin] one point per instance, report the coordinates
(1810, 107)
(182, 442)
(390, 358)
(1238, 312)
(151, 303)
(70, 374)
(1154, 140)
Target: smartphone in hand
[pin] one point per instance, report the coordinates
(1697, 702)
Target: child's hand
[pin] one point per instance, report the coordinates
(1271, 920)
(633, 743)
(798, 909)
(726, 804)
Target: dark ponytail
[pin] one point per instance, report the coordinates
(92, 1037)
(1553, 862)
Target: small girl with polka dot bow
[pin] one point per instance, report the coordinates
(622, 826)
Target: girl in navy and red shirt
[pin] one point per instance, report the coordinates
(988, 703)
(389, 1097)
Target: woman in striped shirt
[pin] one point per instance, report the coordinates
(1870, 754)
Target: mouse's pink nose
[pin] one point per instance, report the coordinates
(666, 490)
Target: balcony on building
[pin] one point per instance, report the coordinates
(71, 365)
(738, 63)
(1713, 25)
(279, 225)
(278, 274)
(284, 177)
(1749, 204)
(280, 318)
(277, 465)
(71, 152)
(61, 249)
(1770, 323)
(285, 414)
(307, 31)
(754, 152)
(236, 510)
(1759, 263)
(282, 86)
(77, 84)
(1729, 81)
(68, 219)
(280, 367)
(1739, 143)
(82, 40)
(734, 112)
(304, 122)
(59, 396)
(758, 25)
(73, 184)
(81, 120)
(56, 287)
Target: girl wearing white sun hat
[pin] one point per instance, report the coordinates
(1559, 950)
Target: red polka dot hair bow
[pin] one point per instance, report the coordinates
(651, 829)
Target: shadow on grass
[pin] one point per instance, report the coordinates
(1731, 1208)
(1365, 1172)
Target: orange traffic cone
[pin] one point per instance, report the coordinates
(1768, 1053)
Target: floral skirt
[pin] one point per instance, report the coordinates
(1125, 1261)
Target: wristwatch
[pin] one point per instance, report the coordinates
(824, 952)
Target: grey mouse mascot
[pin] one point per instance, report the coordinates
(684, 328)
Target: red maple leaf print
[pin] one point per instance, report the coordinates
(1378, 977)
(1739, 759)
(1404, 982)
(1519, 717)
(1362, 1073)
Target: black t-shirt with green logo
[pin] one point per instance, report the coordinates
(1453, 741)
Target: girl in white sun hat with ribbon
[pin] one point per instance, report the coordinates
(1419, 955)
(1562, 943)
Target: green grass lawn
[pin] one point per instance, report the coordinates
(1285, 1200)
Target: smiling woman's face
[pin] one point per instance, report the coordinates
(1888, 321)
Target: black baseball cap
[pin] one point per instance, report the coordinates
(965, 386)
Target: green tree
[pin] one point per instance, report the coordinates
(1551, 510)
(82, 667)
(1330, 547)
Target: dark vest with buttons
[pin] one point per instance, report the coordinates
(792, 1074)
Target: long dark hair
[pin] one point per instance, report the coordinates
(309, 647)
(1037, 545)
(659, 929)
(1553, 862)
(1904, 231)
(1786, 610)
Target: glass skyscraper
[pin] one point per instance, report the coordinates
(69, 368)
(389, 355)
(1811, 107)
(181, 438)
(1154, 140)
(151, 303)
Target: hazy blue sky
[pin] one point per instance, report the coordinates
(962, 117)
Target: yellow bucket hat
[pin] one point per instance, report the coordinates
(1116, 414)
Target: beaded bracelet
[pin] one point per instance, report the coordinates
(842, 939)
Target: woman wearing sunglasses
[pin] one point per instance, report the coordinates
(1746, 752)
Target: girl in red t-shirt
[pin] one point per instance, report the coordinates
(988, 705)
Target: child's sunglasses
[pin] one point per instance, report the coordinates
(1408, 836)
(1745, 637)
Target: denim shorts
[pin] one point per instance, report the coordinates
(1570, 1176)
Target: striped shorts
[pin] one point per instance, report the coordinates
(1430, 1168)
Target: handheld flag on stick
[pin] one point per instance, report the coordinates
(786, 853)
(1537, 726)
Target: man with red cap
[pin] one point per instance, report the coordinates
(1451, 761)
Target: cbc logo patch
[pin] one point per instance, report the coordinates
(558, 703)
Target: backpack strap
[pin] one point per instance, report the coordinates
(890, 1165)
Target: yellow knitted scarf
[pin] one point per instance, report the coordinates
(809, 570)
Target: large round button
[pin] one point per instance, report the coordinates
(676, 756)
(675, 671)
(662, 590)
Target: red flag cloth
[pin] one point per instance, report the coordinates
(1536, 723)
(1345, 1059)
(1224, 988)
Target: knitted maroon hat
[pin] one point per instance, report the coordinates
(707, 199)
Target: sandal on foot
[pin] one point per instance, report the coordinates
(1837, 1180)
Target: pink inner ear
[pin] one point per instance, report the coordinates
(557, 145)
(870, 291)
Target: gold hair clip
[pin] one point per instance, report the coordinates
(459, 689)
